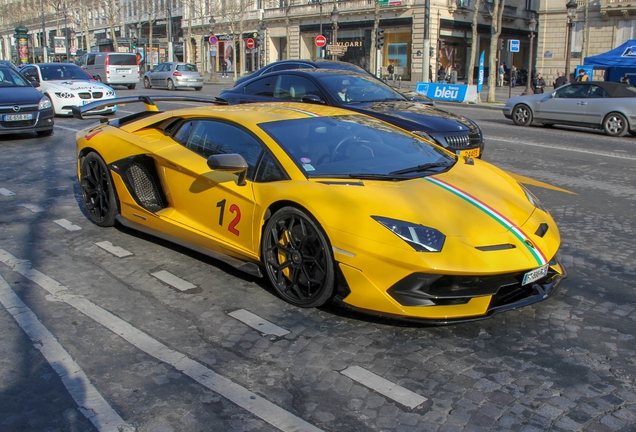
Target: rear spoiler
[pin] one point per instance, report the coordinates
(148, 101)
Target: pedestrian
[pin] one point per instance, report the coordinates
(453, 75)
(625, 80)
(561, 80)
(501, 74)
(391, 71)
(513, 75)
(224, 65)
(441, 75)
(582, 76)
(538, 84)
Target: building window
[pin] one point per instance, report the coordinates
(626, 31)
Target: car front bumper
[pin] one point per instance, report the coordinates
(43, 121)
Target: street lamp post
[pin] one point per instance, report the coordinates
(45, 53)
(571, 7)
(170, 46)
(532, 26)
(212, 52)
(334, 24)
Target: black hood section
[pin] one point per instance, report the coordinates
(19, 96)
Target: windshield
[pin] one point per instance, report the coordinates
(11, 78)
(186, 68)
(357, 89)
(357, 147)
(64, 72)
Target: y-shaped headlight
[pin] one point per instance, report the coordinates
(420, 237)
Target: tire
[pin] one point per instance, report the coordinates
(132, 86)
(147, 83)
(615, 124)
(198, 88)
(522, 115)
(298, 258)
(171, 86)
(47, 132)
(632, 133)
(97, 189)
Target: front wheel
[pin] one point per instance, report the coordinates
(171, 85)
(615, 124)
(522, 115)
(47, 132)
(98, 193)
(147, 83)
(298, 258)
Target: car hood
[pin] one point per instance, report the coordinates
(417, 113)
(73, 86)
(19, 95)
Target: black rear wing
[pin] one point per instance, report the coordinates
(148, 101)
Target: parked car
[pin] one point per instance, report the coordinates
(609, 106)
(22, 107)
(365, 94)
(112, 68)
(68, 85)
(328, 204)
(301, 64)
(7, 63)
(173, 76)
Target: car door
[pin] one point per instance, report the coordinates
(212, 203)
(157, 76)
(599, 104)
(567, 104)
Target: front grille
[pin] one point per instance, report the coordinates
(18, 124)
(84, 95)
(463, 141)
(23, 108)
(98, 95)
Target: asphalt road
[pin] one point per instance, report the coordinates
(107, 329)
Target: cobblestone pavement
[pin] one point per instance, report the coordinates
(565, 364)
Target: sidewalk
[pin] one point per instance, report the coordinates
(501, 93)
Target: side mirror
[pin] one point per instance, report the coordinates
(35, 84)
(311, 98)
(233, 163)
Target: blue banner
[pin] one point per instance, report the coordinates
(448, 92)
(480, 81)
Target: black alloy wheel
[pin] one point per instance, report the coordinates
(97, 191)
(298, 258)
(522, 115)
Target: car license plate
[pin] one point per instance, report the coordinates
(193, 80)
(18, 117)
(86, 102)
(470, 153)
(534, 275)
(123, 71)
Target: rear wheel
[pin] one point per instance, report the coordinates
(198, 88)
(132, 86)
(147, 83)
(522, 115)
(171, 85)
(98, 193)
(298, 258)
(615, 124)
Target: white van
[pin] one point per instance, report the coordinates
(112, 68)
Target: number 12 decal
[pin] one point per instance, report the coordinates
(237, 216)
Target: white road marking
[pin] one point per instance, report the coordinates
(251, 402)
(90, 401)
(6, 192)
(257, 323)
(68, 225)
(115, 250)
(34, 208)
(57, 126)
(173, 281)
(565, 148)
(387, 388)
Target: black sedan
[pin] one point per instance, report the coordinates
(363, 93)
(22, 108)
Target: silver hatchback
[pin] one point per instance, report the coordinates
(174, 75)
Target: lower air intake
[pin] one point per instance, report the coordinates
(143, 182)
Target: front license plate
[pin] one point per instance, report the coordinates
(18, 117)
(86, 102)
(470, 153)
(534, 275)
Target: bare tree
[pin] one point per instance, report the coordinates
(234, 13)
(113, 18)
(495, 32)
(475, 40)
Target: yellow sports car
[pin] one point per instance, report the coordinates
(327, 203)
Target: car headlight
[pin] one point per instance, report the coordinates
(45, 103)
(64, 95)
(533, 199)
(419, 237)
(110, 93)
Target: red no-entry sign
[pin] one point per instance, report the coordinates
(249, 43)
(321, 41)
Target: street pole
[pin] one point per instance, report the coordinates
(532, 26)
(571, 7)
(426, 60)
(45, 51)
(170, 47)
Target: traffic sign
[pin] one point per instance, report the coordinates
(514, 45)
(249, 43)
(213, 40)
(321, 41)
(73, 50)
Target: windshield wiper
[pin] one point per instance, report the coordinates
(420, 168)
